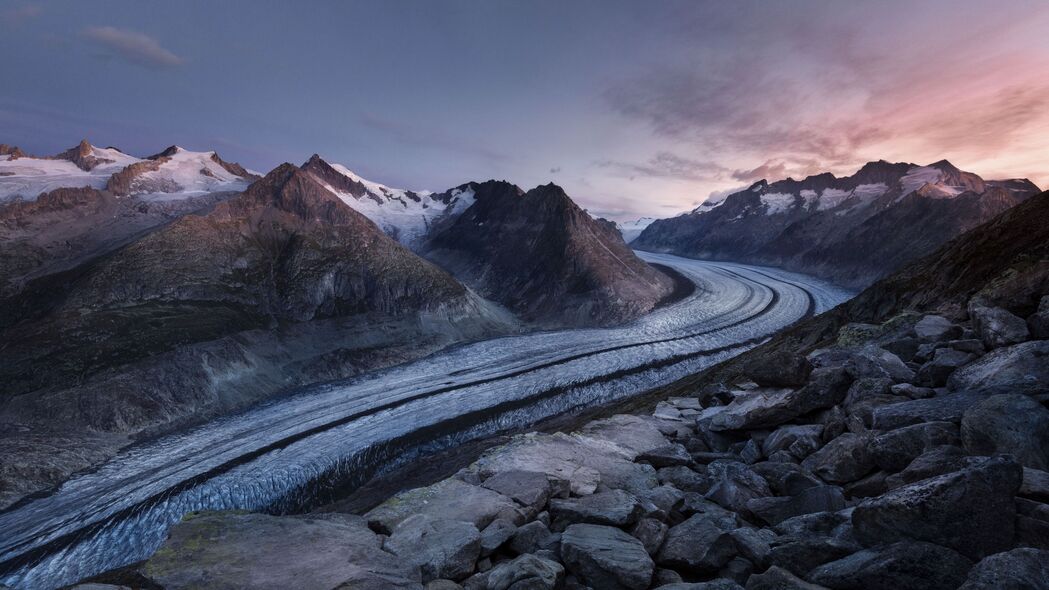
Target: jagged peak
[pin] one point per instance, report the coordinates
(758, 186)
(166, 153)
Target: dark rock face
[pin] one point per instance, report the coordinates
(997, 327)
(971, 511)
(268, 552)
(544, 257)
(699, 544)
(83, 156)
(440, 548)
(775, 510)
(606, 557)
(1021, 368)
(944, 408)
(842, 460)
(1011, 424)
(900, 565)
(853, 229)
(894, 450)
(1019, 569)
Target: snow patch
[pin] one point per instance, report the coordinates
(632, 229)
(406, 216)
(188, 173)
(777, 202)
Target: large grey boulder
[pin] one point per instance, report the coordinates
(935, 461)
(1019, 569)
(258, 551)
(530, 488)
(934, 328)
(651, 533)
(777, 578)
(684, 479)
(733, 484)
(944, 362)
(606, 557)
(942, 408)
(666, 456)
(766, 408)
(783, 437)
(700, 544)
(997, 327)
(450, 499)
(1038, 322)
(786, 479)
(614, 508)
(774, 510)
(971, 511)
(531, 537)
(440, 548)
(894, 450)
(872, 361)
(603, 455)
(800, 555)
(906, 564)
(842, 460)
(1013, 424)
(495, 535)
(526, 572)
(1021, 368)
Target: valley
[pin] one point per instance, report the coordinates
(305, 448)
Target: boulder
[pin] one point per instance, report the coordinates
(605, 455)
(997, 327)
(786, 479)
(906, 564)
(971, 511)
(1021, 368)
(530, 537)
(237, 550)
(912, 391)
(651, 533)
(665, 497)
(1014, 424)
(842, 460)
(777, 578)
(1038, 322)
(666, 456)
(684, 479)
(936, 461)
(817, 524)
(606, 557)
(614, 508)
(450, 499)
(1019, 569)
(942, 408)
(754, 544)
(774, 510)
(529, 488)
(935, 328)
(440, 548)
(800, 555)
(695, 504)
(495, 535)
(526, 572)
(1035, 485)
(971, 345)
(894, 450)
(944, 362)
(700, 545)
(733, 484)
(783, 437)
(765, 408)
(873, 361)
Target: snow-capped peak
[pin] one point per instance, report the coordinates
(404, 215)
(632, 229)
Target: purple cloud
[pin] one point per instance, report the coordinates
(136, 48)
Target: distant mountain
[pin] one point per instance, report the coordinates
(632, 229)
(407, 216)
(173, 173)
(852, 230)
(544, 257)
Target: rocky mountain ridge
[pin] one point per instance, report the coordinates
(852, 230)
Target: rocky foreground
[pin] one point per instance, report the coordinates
(909, 454)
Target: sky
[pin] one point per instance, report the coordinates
(635, 108)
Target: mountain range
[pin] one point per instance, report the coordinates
(852, 230)
(139, 295)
